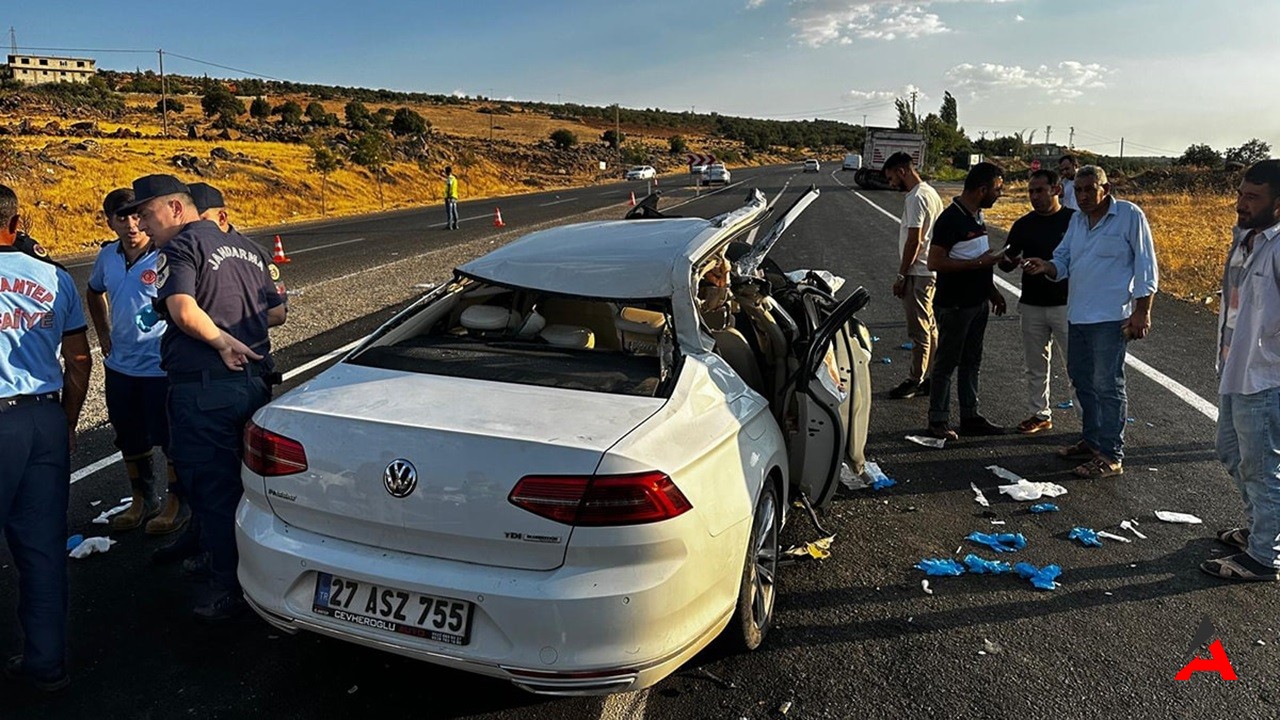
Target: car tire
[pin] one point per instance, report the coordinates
(757, 593)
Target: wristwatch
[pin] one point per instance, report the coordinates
(901, 277)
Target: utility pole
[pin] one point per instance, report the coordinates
(164, 95)
(13, 41)
(617, 132)
(1047, 129)
(1121, 148)
(1071, 139)
(864, 122)
(915, 121)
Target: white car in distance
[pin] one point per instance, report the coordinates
(569, 466)
(641, 172)
(716, 173)
(811, 165)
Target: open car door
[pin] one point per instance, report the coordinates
(831, 399)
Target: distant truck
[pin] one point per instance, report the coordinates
(879, 146)
(852, 161)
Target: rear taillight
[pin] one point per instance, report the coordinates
(269, 454)
(599, 500)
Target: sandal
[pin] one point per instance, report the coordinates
(1240, 567)
(1080, 451)
(1097, 468)
(1235, 537)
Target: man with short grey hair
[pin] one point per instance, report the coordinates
(1109, 254)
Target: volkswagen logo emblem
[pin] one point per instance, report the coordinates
(400, 478)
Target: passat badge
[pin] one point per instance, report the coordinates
(400, 478)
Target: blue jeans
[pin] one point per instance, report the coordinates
(451, 212)
(1249, 445)
(961, 332)
(1095, 364)
(35, 481)
(206, 422)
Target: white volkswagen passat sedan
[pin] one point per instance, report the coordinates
(568, 467)
(641, 172)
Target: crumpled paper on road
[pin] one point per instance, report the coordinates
(105, 517)
(938, 443)
(978, 497)
(1023, 489)
(90, 546)
(852, 480)
(1177, 517)
(817, 550)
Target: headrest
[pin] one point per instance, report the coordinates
(532, 325)
(486, 317)
(640, 321)
(571, 336)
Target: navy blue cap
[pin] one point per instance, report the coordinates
(206, 196)
(150, 187)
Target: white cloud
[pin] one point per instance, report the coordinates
(753, 4)
(1018, 18)
(819, 22)
(879, 95)
(1068, 80)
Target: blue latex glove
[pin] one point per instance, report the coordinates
(1043, 508)
(940, 566)
(74, 541)
(1042, 578)
(982, 566)
(881, 483)
(908, 345)
(1087, 537)
(147, 318)
(1066, 404)
(1002, 542)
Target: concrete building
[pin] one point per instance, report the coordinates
(37, 69)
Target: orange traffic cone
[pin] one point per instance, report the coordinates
(497, 218)
(278, 256)
(633, 199)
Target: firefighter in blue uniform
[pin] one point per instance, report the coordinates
(122, 283)
(40, 400)
(219, 298)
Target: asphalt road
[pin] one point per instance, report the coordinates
(856, 635)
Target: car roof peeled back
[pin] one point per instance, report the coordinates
(617, 259)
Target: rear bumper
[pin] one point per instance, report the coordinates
(570, 631)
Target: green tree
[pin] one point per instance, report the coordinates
(259, 109)
(1249, 153)
(1200, 156)
(408, 122)
(613, 138)
(907, 121)
(948, 113)
(290, 112)
(677, 145)
(324, 161)
(316, 113)
(219, 101)
(564, 139)
(173, 106)
(373, 151)
(357, 115)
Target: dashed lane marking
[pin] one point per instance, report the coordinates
(1180, 391)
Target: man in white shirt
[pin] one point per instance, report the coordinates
(1067, 165)
(914, 284)
(1249, 378)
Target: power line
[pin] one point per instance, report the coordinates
(86, 50)
(225, 67)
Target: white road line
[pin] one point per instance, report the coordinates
(88, 470)
(625, 706)
(322, 247)
(1182, 392)
(557, 202)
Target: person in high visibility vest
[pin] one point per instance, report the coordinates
(450, 198)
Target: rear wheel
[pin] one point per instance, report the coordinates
(756, 595)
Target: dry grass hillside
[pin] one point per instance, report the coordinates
(62, 164)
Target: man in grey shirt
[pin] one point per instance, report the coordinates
(1249, 388)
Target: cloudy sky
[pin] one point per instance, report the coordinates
(1162, 74)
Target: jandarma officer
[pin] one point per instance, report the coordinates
(218, 294)
(40, 402)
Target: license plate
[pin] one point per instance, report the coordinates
(392, 610)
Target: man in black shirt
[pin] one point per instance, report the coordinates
(961, 256)
(1044, 303)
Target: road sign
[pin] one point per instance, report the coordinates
(700, 159)
(1035, 165)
